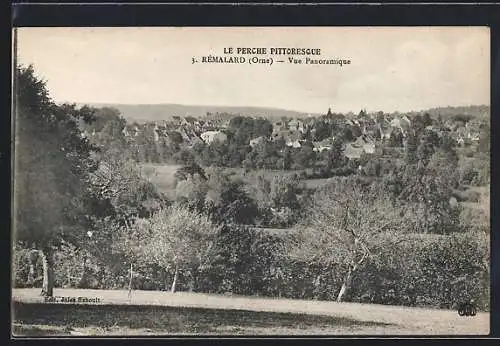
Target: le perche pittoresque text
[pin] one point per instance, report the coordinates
(271, 56)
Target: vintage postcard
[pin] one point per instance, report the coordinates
(251, 181)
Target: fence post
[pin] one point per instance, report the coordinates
(130, 281)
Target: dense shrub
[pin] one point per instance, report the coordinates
(324, 173)
(440, 272)
(467, 196)
(427, 271)
(22, 257)
(475, 170)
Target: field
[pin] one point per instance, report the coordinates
(164, 313)
(162, 175)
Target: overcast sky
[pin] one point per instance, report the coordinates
(391, 68)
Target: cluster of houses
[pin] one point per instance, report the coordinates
(374, 129)
(294, 130)
(190, 129)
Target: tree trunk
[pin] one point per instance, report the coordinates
(32, 258)
(175, 279)
(345, 285)
(48, 274)
(102, 276)
(68, 278)
(83, 279)
(193, 280)
(317, 286)
(31, 274)
(426, 217)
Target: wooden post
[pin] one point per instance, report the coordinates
(68, 278)
(130, 282)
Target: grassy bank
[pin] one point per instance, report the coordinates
(163, 313)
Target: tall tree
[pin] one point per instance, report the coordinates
(410, 146)
(51, 163)
(427, 192)
(227, 201)
(335, 156)
(284, 191)
(484, 139)
(429, 141)
(418, 125)
(305, 156)
(427, 120)
(287, 159)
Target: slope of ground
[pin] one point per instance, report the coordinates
(154, 312)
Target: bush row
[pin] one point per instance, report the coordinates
(427, 271)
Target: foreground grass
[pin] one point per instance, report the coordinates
(71, 319)
(163, 313)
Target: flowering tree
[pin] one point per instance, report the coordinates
(179, 238)
(348, 224)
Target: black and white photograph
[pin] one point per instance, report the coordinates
(250, 181)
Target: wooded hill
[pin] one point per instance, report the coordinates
(142, 113)
(157, 112)
(477, 111)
